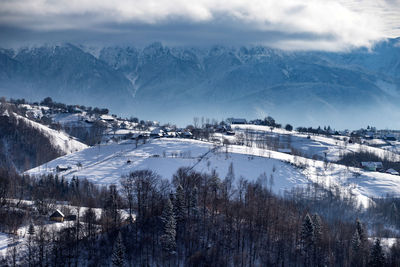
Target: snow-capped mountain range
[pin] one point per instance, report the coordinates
(176, 84)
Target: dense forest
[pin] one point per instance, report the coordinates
(197, 219)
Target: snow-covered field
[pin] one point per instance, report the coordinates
(317, 145)
(106, 164)
(4, 241)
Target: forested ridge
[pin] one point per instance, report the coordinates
(22, 146)
(197, 219)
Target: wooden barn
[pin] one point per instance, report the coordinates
(57, 216)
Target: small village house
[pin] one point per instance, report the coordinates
(186, 134)
(392, 171)
(372, 166)
(61, 168)
(108, 118)
(157, 133)
(57, 216)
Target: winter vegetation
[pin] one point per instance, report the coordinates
(153, 133)
(128, 192)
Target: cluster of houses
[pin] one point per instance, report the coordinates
(372, 133)
(377, 167)
(169, 132)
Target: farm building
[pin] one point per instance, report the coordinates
(61, 168)
(392, 171)
(186, 134)
(57, 216)
(371, 166)
(157, 133)
(107, 118)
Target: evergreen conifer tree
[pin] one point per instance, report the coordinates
(168, 240)
(355, 242)
(307, 239)
(377, 258)
(360, 230)
(30, 244)
(180, 206)
(393, 212)
(317, 224)
(194, 210)
(118, 252)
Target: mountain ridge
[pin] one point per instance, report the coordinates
(216, 82)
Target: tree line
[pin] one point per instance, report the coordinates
(194, 219)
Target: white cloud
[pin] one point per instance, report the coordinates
(308, 24)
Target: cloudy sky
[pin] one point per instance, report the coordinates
(287, 24)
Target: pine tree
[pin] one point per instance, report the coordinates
(118, 252)
(377, 257)
(180, 206)
(359, 246)
(317, 224)
(168, 240)
(360, 230)
(31, 233)
(194, 210)
(355, 242)
(231, 174)
(31, 230)
(307, 238)
(393, 212)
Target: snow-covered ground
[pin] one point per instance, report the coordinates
(70, 119)
(386, 242)
(106, 164)
(316, 145)
(10, 240)
(5, 240)
(59, 139)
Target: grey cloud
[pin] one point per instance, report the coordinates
(322, 25)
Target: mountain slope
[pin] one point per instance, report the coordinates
(63, 72)
(107, 164)
(303, 87)
(25, 144)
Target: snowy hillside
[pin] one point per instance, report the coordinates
(25, 143)
(60, 140)
(316, 146)
(106, 164)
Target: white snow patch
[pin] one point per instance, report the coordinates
(59, 139)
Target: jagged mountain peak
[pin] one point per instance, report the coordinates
(226, 81)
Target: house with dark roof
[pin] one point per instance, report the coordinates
(392, 171)
(61, 168)
(238, 121)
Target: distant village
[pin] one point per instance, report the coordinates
(96, 126)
